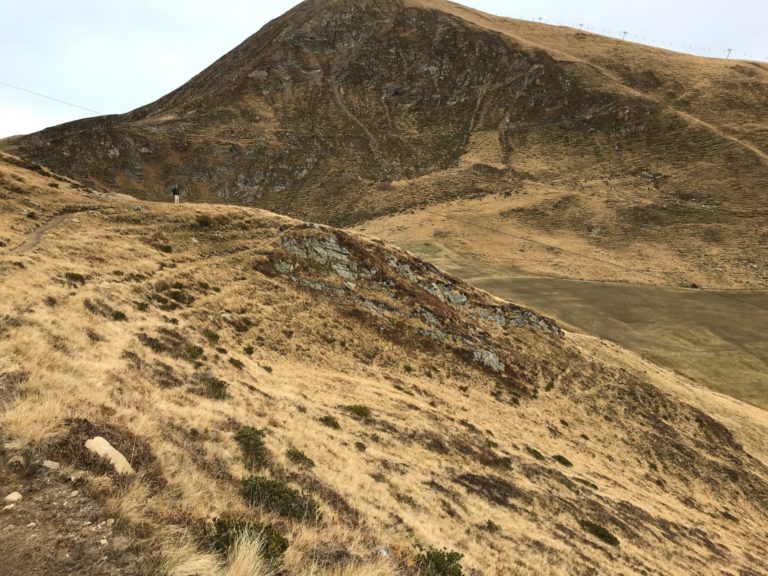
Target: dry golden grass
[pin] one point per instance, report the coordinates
(432, 472)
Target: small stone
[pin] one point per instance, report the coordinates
(13, 497)
(110, 521)
(51, 465)
(74, 493)
(9, 507)
(31, 525)
(103, 542)
(380, 551)
(120, 544)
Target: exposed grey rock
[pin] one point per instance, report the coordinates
(284, 267)
(493, 314)
(345, 271)
(430, 318)
(489, 359)
(456, 298)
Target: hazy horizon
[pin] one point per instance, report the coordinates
(110, 59)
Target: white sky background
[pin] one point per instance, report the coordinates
(112, 56)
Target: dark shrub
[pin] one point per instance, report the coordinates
(194, 352)
(251, 442)
(277, 497)
(214, 387)
(439, 563)
(211, 336)
(248, 350)
(298, 457)
(331, 422)
(358, 411)
(563, 460)
(204, 221)
(274, 544)
(236, 363)
(74, 278)
(535, 453)
(600, 532)
(360, 446)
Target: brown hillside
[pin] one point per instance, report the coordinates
(342, 111)
(411, 409)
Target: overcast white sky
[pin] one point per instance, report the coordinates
(113, 56)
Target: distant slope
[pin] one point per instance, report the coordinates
(414, 410)
(343, 111)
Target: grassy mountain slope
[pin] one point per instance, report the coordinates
(343, 111)
(231, 353)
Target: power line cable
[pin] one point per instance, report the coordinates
(59, 100)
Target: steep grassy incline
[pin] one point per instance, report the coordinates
(348, 402)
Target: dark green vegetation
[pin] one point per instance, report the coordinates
(439, 563)
(600, 532)
(563, 460)
(276, 496)
(331, 422)
(255, 452)
(298, 457)
(213, 387)
(358, 411)
(228, 529)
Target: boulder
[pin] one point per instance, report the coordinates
(13, 497)
(101, 447)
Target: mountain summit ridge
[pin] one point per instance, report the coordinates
(340, 112)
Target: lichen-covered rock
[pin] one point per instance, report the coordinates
(489, 360)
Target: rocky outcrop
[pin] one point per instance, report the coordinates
(403, 294)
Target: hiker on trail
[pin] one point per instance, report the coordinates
(176, 194)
